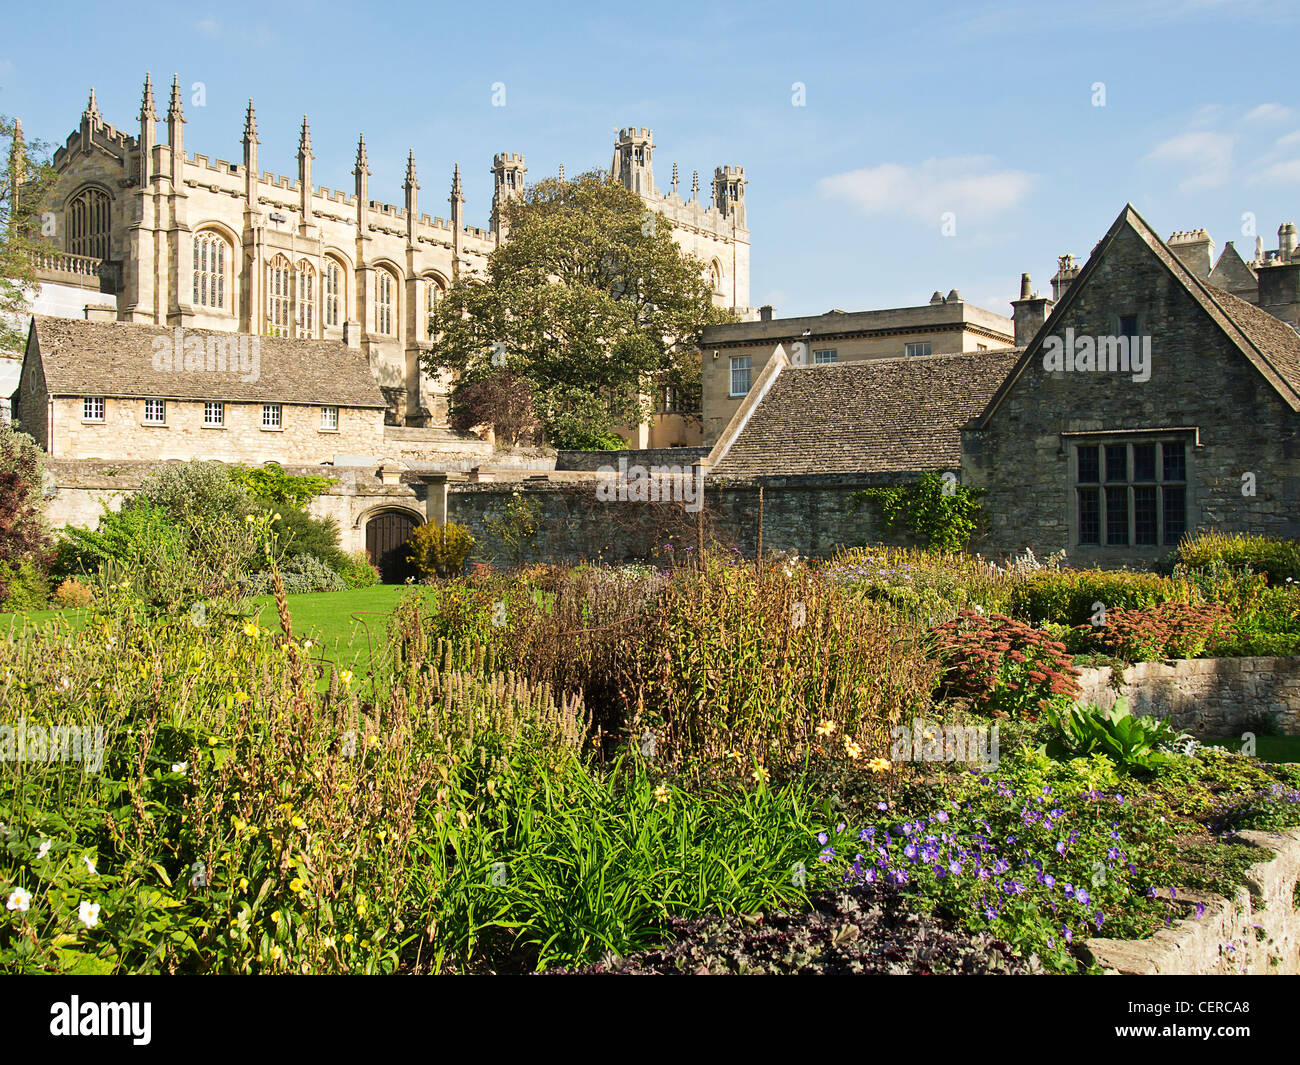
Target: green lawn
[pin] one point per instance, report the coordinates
(1267, 748)
(346, 627)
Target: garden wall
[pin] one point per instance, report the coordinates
(1257, 932)
(1208, 697)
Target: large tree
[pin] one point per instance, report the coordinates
(25, 182)
(590, 301)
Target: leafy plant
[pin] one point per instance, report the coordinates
(1004, 666)
(941, 512)
(515, 526)
(439, 550)
(1132, 742)
(272, 484)
(1274, 557)
(1168, 630)
(1073, 597)
(23, 535)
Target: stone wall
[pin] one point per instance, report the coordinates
(591, 461)
(1257, 932)
(808, 515)
(1200, 385)
(1208, 697)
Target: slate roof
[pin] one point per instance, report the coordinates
(117, 359)
(874, 416)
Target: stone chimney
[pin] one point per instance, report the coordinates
(1286, 242)
(1029, 312)
(1067, 270)
(352, 334)
(1195, 250)
(1279, 289)
(765, 313)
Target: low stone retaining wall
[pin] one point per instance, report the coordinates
(1208, 697)
(1257, 932)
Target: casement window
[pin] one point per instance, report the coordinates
(214, 414)
(92, 409)
(155, 412)
(329, 418)
(825, 356)
(271, 416)
(210, 259)
(919, 348)
(1131, 493)
(740, 371)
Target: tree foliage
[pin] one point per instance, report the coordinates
(23, 534)
(25, 181)
(590, 301)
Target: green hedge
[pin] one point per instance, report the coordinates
(1277, 559)
(1068, 597)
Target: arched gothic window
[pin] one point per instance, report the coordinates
(89, 224)
(211, 260)
(279, 296)
(385, 302)
(715, 276)
(306, 301)
(335, 304)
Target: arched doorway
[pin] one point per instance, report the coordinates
(386, 536)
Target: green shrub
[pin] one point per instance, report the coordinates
(26, 586)
(930, 586)
(359, 571)
(71, 595)
(299, 533)
(1072, 597)
(1277, 559)
(301, 574)
(197, 495)
(439, 550)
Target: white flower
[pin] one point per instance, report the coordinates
(180, 767)
(43, 849)
(20, 900)
(88, 913)
(89, 864)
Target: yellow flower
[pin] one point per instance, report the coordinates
(296, 885)
(251, 630)
(852, 749)
(878, 765)
(212, 741)
(662, 793)
(826, 728)
(243, 883)
(346, 676)
(241, 697)
(298, 822)
(347, 938)
(759, 774)
(275, 918)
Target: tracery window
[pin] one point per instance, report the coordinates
(211, 257)
(89, 224)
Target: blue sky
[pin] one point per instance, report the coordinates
(912, 110)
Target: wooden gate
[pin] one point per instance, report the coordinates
(386, 536)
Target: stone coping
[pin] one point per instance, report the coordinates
(1257, 932)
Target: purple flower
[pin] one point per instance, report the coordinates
(1100, 921)
(943, 815)
(822, 838)
(1065, 931)
(954, 867)
(1082, 897)
(1200, 910)
(910, 851)
(866, 834)
(1049, 880)
(882, 806)
(1060, 847)
(826, 855)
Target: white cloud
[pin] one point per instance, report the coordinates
(1206, 156)
(969, 186)
(1288, 140)
(1283, 173)
(1269, 113)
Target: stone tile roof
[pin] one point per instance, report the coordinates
(1276, 340)
(118, 359)
(874, 416)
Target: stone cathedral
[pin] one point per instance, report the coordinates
(183, 239)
